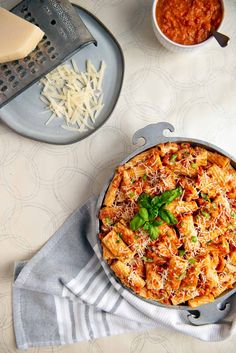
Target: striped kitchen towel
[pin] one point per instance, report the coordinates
(66, 294)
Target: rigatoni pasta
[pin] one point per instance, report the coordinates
(168, 224)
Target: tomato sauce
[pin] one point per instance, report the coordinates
(188, 21)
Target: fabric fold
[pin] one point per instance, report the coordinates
(66, 294)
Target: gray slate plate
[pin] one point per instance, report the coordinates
(25, 114)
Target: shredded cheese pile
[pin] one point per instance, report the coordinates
(73, 95)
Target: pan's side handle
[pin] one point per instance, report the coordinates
(153, 133)
(212, 313)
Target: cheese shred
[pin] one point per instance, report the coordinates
(73, 95)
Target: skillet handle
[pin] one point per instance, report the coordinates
(208, 314)
(153, 133)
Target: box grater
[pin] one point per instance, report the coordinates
(65, 33)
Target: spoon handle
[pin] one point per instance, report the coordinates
(222, 39)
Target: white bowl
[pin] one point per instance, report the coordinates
(173, 46)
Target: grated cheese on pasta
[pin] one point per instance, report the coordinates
(191, 261)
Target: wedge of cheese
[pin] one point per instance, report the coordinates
(18, 37)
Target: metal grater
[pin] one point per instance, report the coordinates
(65, 33)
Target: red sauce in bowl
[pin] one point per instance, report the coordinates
(188, 21)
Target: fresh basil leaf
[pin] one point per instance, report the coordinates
(156, 201)
(136, 223)
(146, 226)
(163, 214)
(144, 200)
(172, 218)
(153, 213)
(157, 223)
(153, 232)
(143, 212)
(166, 197)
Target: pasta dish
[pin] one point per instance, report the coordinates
(168, 224)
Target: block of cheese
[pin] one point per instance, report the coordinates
(18, 37)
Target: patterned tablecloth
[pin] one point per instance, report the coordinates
(40, 185)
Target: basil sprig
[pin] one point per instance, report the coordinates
(167, 197)
(141, 219)
(167, 216)
(150, 208)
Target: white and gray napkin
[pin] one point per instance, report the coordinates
(64, 295)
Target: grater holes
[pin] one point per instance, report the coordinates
(50, 50)
(27, 59)
(28, 16)
(54, 56)
(4, 88)
(19, 68)
(24, 9)
(31, 64)
(14, 84)
(53, 22)
(47, 44)
(15, 62)
(42, 60)
(39, 54)
(22, 74)
(3, 67)
(21, 71)
(7, 73)
(11, 78)
(34, 70)
(44, 37)
(1, 82)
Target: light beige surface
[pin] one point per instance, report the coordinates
(40, 185)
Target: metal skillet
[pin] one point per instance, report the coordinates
(153, 134)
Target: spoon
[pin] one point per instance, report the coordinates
(222, 39)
